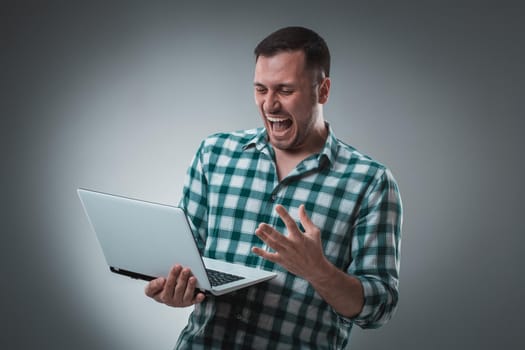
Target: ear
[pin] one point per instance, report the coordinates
(324, 90)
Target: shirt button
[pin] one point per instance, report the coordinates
(243, 316)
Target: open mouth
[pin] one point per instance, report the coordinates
(279, 124)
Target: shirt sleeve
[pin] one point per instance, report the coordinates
(194, 199)
(375, 251)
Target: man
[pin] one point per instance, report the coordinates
(291, 198)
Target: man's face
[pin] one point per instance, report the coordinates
(289, 98)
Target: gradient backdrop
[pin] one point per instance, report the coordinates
(116, 96)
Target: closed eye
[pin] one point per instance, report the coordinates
(286, 92)
(260, 89)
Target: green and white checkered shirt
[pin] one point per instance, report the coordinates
(232, 187)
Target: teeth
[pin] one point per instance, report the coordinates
(276, 120)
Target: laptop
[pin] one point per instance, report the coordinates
(144, 240)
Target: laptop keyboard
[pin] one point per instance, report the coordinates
(218, 278)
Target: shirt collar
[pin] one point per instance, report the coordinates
(329, 151)
(259, 141)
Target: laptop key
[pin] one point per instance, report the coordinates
(218, 278)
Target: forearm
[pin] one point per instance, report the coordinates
(340, 290)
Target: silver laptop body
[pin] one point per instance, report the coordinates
(145, 240)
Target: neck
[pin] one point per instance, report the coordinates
(287, 160)
(313, 144)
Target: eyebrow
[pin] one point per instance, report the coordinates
(279, 86)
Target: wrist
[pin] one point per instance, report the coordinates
(324, 272)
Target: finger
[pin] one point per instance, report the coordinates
(305, 219)
(311, 229)
(290, 223)
(169, 288)
(271, 237)
(182, 285)
(273, 257)
(189, 293)
(199, 298)
(154, 287)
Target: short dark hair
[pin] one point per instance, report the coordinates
(314, 47)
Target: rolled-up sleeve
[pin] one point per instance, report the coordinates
(375, 250)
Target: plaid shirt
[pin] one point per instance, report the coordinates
(232, 186)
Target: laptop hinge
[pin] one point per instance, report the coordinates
(131, 274)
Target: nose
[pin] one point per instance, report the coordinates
(271, 102)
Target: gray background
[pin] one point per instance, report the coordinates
(117, 96)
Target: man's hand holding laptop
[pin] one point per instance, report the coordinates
(177, 290)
